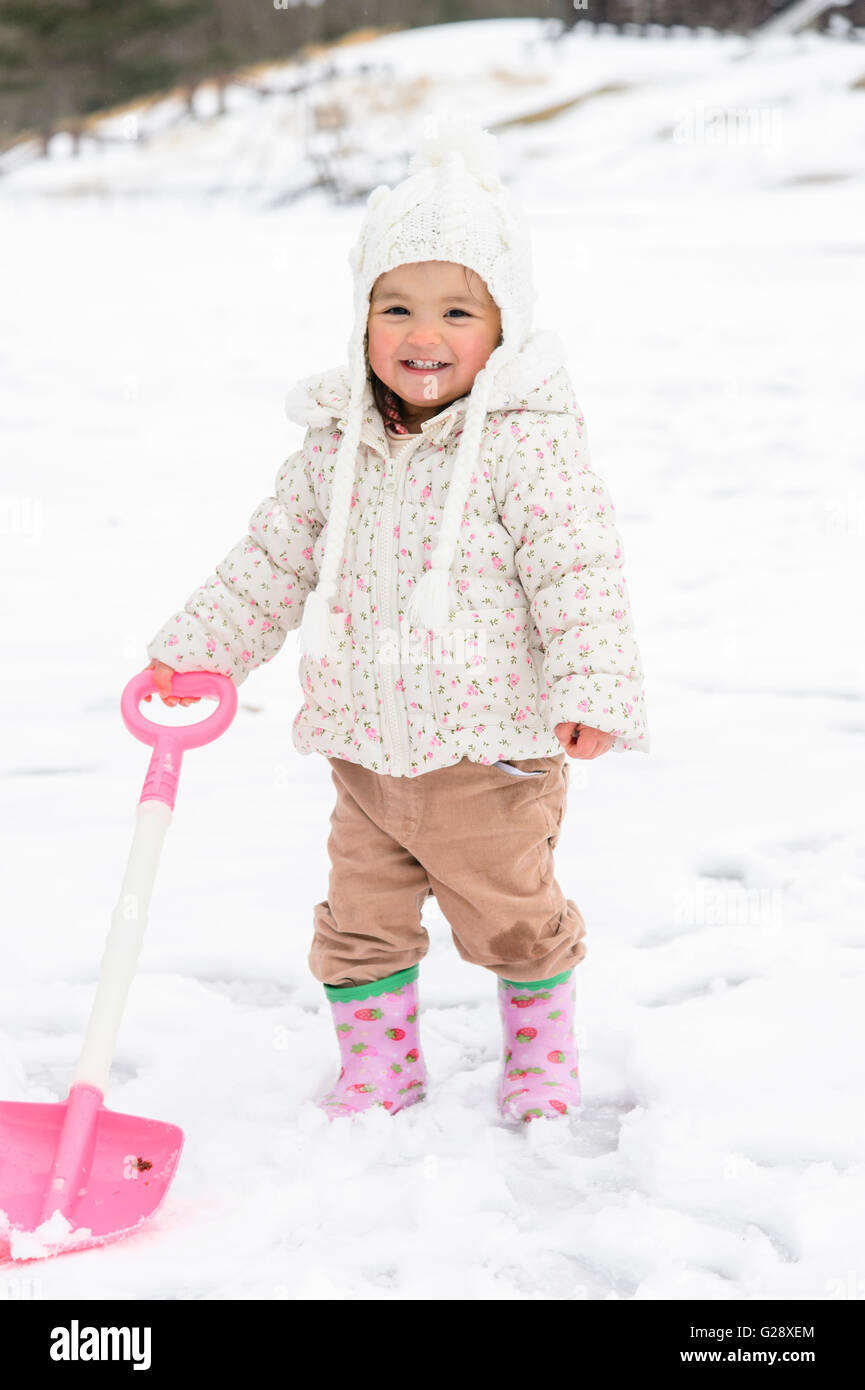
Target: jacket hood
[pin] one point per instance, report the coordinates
(537, 378)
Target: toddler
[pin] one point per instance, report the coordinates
(453, 565)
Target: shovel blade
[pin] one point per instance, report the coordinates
(124, 1165)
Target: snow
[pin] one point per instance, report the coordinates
(697, 246)
(52, 1237)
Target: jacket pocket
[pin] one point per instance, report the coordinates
(327, 683)
(520, 771)
(482, 671)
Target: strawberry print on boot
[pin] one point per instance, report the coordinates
(540, 1077)
(379, 1045)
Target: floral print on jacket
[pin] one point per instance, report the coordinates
(540, 624)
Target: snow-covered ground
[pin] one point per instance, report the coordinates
(698, 240)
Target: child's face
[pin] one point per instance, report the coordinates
(431, 311)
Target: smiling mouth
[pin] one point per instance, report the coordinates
(417, 364)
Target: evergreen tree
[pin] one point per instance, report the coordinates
(78, 56)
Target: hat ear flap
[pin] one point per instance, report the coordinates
(376, 197)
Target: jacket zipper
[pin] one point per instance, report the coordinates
(386, 602)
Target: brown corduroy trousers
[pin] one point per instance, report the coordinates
(479, 838)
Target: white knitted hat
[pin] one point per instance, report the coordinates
(452, 206)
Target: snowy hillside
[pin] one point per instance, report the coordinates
(697, 227)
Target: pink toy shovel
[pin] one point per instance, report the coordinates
(74, 1174)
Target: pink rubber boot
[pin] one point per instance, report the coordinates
(541, 1070)
(379, 1046)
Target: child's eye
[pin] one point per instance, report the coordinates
(400, 309)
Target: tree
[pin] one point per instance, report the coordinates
(78, 56)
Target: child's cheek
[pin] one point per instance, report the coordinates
(382, 349)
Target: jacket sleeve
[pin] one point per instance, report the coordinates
(241, 614)
(569, 560)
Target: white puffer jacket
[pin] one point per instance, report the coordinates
(540, 629)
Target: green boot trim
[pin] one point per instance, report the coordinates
(539, 984)
(385, 986)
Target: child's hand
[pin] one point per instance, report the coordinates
(579, 741)
(162, 677)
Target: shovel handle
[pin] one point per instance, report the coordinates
(170, 743)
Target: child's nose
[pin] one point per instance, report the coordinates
(425, 337)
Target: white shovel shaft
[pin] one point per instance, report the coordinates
(122, 947)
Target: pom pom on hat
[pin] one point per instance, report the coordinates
(377, 196)
(454, 139)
